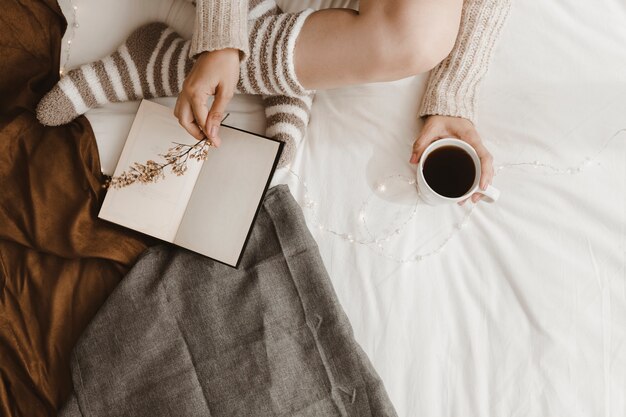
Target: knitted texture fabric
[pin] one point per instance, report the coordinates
(220, 24)
(453, 84)
(286, 120)
(154, 61)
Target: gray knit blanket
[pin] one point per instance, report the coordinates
(183, 335)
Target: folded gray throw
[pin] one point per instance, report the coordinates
(186, 336)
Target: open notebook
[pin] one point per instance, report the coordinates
(211, 208)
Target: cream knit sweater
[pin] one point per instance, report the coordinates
(220, 24)
(453, 84)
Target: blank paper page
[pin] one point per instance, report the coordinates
(227, 194)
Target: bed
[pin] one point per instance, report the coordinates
(510, 309)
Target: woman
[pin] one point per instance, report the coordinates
(252, 47)
(385, 40)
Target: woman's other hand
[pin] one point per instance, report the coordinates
(215, 73)
(438, 127)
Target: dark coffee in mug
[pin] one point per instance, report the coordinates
(449, 171)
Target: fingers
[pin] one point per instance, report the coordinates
(476, 197)
(418, 149)
(486, 160)
(186, 118)
(214, 73)
(486, 167)
(200, 121)
(200, 110)
(216, 114)
(428, 136)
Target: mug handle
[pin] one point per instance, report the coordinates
(491, 194)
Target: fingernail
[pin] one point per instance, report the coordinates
(413, 159)
(213, 133)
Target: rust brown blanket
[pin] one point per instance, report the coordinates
(58, 263)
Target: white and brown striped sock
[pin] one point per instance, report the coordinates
(153, 62)
(286, 119)
(271, 70)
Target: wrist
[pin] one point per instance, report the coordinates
(224, 53)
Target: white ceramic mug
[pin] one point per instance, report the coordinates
(429, 196)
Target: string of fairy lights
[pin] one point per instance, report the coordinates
(377, 242)
(73, 25)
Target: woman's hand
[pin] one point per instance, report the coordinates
(214, 73)
(437, 127)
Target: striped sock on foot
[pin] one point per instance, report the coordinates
(151, 63)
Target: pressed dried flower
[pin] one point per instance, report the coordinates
(175, 158)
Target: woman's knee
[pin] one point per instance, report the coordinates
(406, 45)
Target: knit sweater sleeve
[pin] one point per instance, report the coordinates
(453, 84)
(220, 24)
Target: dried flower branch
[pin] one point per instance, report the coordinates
(176, 158)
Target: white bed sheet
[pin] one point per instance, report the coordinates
(523, 311)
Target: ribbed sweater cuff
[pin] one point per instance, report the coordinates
(220, 24)
(453, 84)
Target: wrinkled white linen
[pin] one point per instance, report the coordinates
(523, 312)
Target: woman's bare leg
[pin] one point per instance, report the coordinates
(386, 40)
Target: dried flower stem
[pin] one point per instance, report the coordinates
(150, 172)
(176, 158)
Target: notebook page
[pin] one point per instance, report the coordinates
(154, 209)
(227, 195)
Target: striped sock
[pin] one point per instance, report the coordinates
(286, 119)
(153, 62)
(140, 68)
(270, 71)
